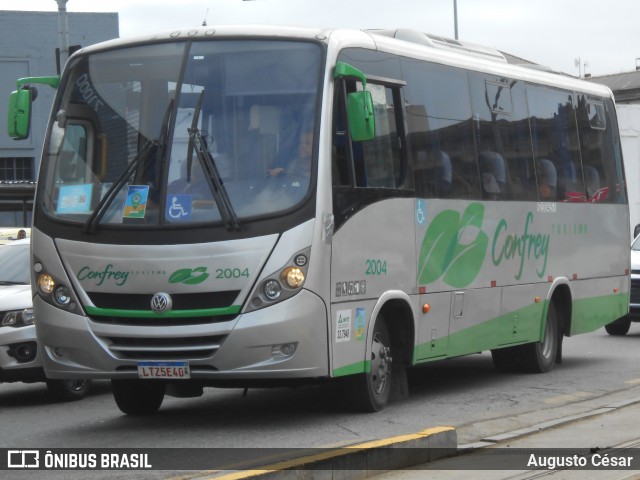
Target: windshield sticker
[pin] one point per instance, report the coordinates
(136, 203)
(343, 326)
(75, 199)
(179, 207)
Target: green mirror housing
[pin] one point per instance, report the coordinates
(359, 105)
(360, 116)
(19, 115)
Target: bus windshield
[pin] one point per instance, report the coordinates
(206, 132)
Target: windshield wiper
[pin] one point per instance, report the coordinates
(7, 282)
(214, 179)
(106, 201)
(93, 221)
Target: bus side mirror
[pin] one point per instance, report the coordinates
(19, 115)
(360, 116)
(359, 104)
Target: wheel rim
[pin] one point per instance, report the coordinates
(547, 345)
(75, 385)
(380, 364)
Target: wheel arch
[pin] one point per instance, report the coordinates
(562, 299)
(395, 308)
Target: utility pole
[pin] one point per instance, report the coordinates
(63, 32)
(455, 18)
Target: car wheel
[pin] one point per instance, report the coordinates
(618, 327)
(68, 390)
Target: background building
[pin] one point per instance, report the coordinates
(29, 41)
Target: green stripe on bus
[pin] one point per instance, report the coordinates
(200, 312)
(589, 314)
(354, 368)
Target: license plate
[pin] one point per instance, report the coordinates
(177, 370)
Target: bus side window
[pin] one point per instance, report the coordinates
(73, 156)
(602, 179)
(381, 155)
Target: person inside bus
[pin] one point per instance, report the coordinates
(22, 234)
(547, 179)
(300, 164)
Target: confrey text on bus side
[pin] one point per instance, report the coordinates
(508, 246)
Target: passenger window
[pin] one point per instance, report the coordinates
(501, 124)
(603, 179)
(555, 144)
(440, 134)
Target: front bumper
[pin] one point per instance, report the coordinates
(13, 368)
(244, 348)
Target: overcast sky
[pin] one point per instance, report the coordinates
(603, 34)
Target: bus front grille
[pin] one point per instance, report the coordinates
(184, 348)
(181, 301)
(160, 321)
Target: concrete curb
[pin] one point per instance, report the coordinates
(358, 461)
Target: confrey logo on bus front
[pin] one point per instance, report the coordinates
(109, 274)
(454, 247)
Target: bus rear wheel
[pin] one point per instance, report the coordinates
(540, 357)
(371, 390)
(138, 397)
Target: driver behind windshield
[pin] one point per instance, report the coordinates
(300, 165)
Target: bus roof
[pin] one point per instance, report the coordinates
(406, 42)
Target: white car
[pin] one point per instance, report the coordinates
(621, 326)
(19, 357)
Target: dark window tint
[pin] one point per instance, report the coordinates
(440, 134)
(502, 134)
(602, 165)
(555, 144)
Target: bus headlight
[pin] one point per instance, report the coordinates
(272, 289)
(46, 283)
(53, 290)
(62, 295)
(293, 276)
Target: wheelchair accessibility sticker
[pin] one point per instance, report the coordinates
(179, 207)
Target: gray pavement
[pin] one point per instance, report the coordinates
(592, 431)
(605, 428)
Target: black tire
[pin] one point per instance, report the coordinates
(68, 390)
(505, 359)
(540, 357)
(138, 397)
(619, 327)
(371, 390)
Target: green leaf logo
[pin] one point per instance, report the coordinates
(189, 276)
(450, 250)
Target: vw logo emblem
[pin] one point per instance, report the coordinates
(161, 302)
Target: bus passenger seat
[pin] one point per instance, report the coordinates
(493, 172)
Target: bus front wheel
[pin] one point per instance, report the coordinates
(373, 388)
(138, 397)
